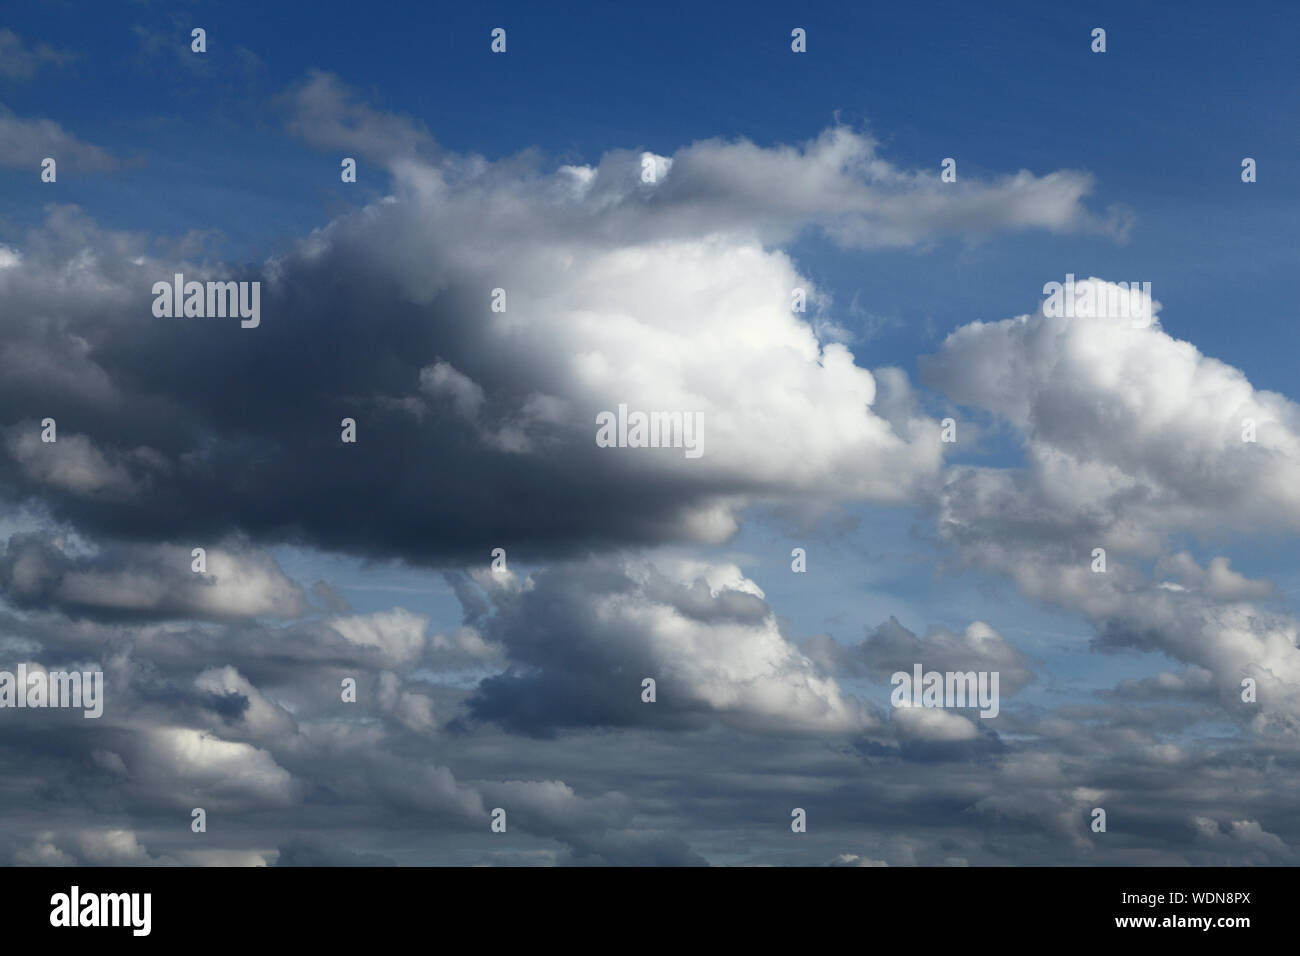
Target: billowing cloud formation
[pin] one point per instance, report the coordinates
(581, 640)
(245, 719)
(1131, 437)
(661, 297)
(1129, 431)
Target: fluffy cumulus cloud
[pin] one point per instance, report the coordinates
(581, 641)
(1130, 432)
(1131, 439)
(474, 321)
(664, 297)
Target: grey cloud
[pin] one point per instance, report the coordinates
(157, 581)
(24, 143)
(891, 647)
(324, 112)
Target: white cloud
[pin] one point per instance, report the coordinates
(398, 634)
(1131, 438)
(932, 723)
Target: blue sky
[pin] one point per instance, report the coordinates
(1162, 120)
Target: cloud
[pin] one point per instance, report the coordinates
(440, 379)
(320, 852)
(932, 724)
(840, 182)
(397, 634)
(72, 465)
(581, 639)
(145, 581)
(260, 717)
(1218, 580)
(1246, 840)
(230, 775)
(686, 327)
(1128, 431)
(24, 143)
(245, 720)
(1131, 439)
(662, 297)
(476, 431)
(852, 859)
(891, 648)
(327, 114)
